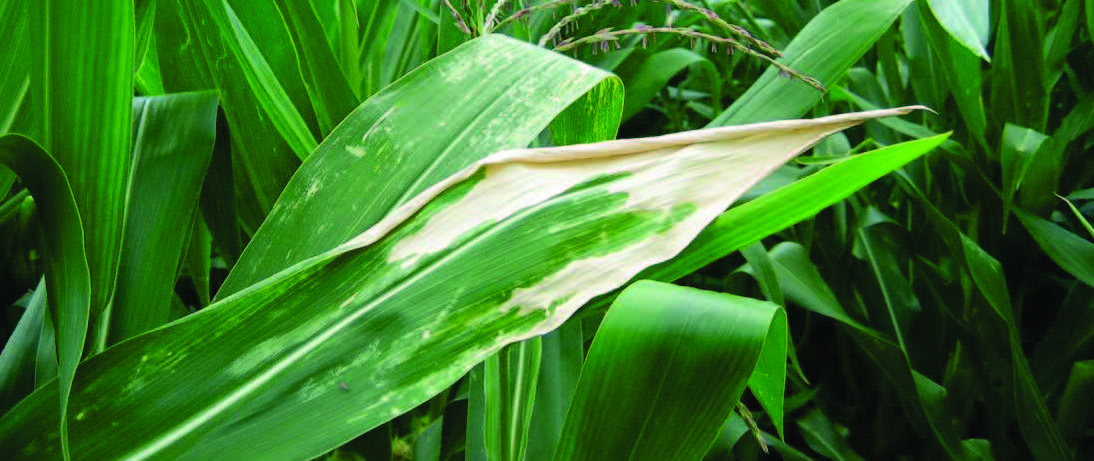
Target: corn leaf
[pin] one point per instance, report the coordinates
(560, 366)
(768, 214)
(17, 360)
(966, 21)
(825, 49)
(339, 343)
(67, 277)
(510, 380)
(665, 371)
(491, 94)
(172, 148)
(82, 72)
(652, 72)
(1020, 148)
(1038, 429)
(14, 64)
(331, 95)
(1073, 253)
(195, 55)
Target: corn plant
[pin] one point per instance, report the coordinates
(943, 314)
(384, 230)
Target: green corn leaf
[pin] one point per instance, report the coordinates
(510, 384)
(1079, 216)
(759, 265)
(966, 21)
(1061, 38)
(665, 371)
(1038, 429)
(343, 341)
(67, 277)
(878, 249)
(198, 258)
(825, 49)
(269, 93)
(1020, 95)
(218, 199)
(172, 148)
(82, 71)
(17, 359)
(82, 58)
(330, 92)
(147, 76)
(805, 287)
(1020, 147)
(1089, 7)
(1076, 407)
(961, 69)
(929, 86)
(823, 437)
(560, 366)
(1073, 253)
(14, 64)
(195, 55)
(1071, 329)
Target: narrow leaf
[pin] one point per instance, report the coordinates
(1073, 253)
(17, 359)
(330, 92)
(67, 278)
(268, 91)
(82, 74)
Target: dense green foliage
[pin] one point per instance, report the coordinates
(198, 184)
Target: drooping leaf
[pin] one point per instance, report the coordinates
(1079, 216)
(966, 21)
(665, 371)
(1073, 253)
(68, 282)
